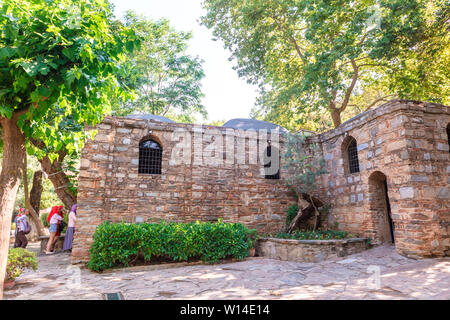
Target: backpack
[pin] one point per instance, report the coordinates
(61, 226)
(27, 228)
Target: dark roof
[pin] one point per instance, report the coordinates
(146, 116)
(246, 124)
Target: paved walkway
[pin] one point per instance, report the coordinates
(352, 277)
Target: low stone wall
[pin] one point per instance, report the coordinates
(309, 250)
(58, 245)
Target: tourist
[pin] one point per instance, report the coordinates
(70, 229)
(22, 228)
(54, 219)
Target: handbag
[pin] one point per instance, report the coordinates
(62, 225)
(27, 228)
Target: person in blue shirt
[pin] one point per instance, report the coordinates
(21, 240)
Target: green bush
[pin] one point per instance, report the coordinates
(44, 217)
(291, 213)
(121, 244)
(18, 260)
(314, 235)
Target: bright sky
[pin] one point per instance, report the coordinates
(226, 95)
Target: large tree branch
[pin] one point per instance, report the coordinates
(349, 91)
(290, 37)
(57, 175)
(379, 100)
(332, 105)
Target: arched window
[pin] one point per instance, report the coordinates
(448, 136)
(350, 152)
(272, 168)
(150, 156)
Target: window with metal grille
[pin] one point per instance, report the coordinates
(352, 152)
(150, 157)
(268, 163)
(448, 136)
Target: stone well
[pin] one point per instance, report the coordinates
(309, 250)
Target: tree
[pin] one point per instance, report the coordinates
(162, 56)
(33, 213)
(166, 79)
(52, 53)
(57, 170)
(305, 164)
(314, 55)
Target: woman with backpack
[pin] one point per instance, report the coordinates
(22, 228)
(54, 219)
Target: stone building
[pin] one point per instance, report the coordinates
(388, 176)
(135, 171)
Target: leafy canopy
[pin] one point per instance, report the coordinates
(316, 56)
(59, 59)
(167, 80)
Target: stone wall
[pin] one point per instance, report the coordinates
(188, 189)
(403, 157)
(309, 250)
(406, 144)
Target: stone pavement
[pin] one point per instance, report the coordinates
(352, 277)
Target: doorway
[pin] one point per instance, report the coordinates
(380, 208)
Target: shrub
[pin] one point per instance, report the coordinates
(314, 235)
(291, 213)
(121, 244)
(13, 226)
(18, 260)
(44, 217)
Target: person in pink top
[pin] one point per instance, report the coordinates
(54, 218)
(68, 240)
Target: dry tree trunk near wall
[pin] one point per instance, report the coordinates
(13, 155)
(308, 207)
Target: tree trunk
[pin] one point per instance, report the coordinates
(33, 213)
(305, 211)
(36, 191)
(59, 179)
(13, 155)
(336, 116)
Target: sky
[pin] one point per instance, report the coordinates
(226, 95)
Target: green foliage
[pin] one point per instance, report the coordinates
(312, 57)
(291, 213)
(314, 235)
(252, 238)
(48, 197)
(217, 123)
(44, 221)
(59, 61)
(166, 79)
(18, 260)
(120, 244)
(304, 163)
